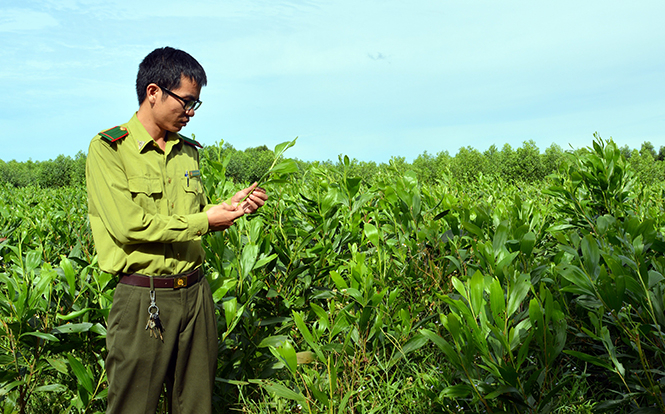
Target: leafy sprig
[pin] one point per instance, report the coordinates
(279, 166)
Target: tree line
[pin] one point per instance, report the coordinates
(63, 171)
(523, 164)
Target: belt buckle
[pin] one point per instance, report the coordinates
(180, 282)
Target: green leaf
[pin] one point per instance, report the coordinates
(82, 374)
(221, 291)
(500, 238)
(44, 285)
(472, 228)
(287, 354)
(520, 334)
(42, 335)
(282, 391)
(654, 278)
(459, 287)
(517, 294)
(32, 260)
(527, 243)
(452, 323)
(264, 261)
(59, 364)
(322, 315)
(307, 334)
(535, 312)
(274, 341)
(285, 167)
(339, 280)
(500, 391)
(457, 391)
(497, 302)
(353, 185)
(272, 321)
(282, 147)
(51, 388)
(230, 309)
(412, 344)
(99, 329)
(68, 269)
(72, 328)
(559, 227)
(591, 254)
(248, 258)
(341, 323)
(505, 262)
(442, 344)
(476, 289)
(581, 282)
(73, 315)
(589, 358)
(5, 389)
(304, 331)
(355, 294)
(372, 233)
(602, 224)
(441, 215)
(609, 345)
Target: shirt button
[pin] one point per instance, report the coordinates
(172, 205)
(169, 180)
(198, 233)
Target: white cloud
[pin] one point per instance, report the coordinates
(23, 20)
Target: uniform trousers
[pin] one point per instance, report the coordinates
(139, 365)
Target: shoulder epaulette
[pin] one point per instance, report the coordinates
(190, 141)
(114, 134)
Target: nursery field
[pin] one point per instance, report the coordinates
(389, 295)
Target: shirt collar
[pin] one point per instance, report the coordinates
(142, 140)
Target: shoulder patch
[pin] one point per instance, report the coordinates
(190, 141)
(114, 134)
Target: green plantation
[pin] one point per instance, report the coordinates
(507, 281)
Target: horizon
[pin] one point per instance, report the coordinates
(541, 150)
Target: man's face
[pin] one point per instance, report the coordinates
(170, 114)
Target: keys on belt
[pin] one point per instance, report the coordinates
(154, 324)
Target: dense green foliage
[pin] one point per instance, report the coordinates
(61, 172)
(525, 164)
(368, 288)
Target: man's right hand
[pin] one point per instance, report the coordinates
(222, 216)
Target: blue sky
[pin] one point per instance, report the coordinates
(369, 79)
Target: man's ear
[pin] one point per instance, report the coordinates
(152, 93)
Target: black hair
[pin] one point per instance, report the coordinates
(165, 66)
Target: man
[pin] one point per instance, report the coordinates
(148, 212)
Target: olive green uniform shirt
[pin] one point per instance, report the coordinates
(146, 209)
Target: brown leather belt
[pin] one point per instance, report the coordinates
(173, 282)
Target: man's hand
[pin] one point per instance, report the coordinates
(222, 216)
(257, 198)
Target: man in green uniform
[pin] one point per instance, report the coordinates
(148, 212)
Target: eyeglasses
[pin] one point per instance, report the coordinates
(186, 104)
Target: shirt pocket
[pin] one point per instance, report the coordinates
(146, 192)
(193, 199)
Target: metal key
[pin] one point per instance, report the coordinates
(154, 324)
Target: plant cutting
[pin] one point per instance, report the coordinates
(278, 166)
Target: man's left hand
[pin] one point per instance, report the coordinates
(257, 198)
